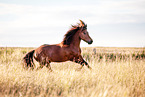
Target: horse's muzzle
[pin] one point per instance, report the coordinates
(90, 42)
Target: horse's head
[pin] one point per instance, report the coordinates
(83, 34)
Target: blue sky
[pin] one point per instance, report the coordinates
(111, 23)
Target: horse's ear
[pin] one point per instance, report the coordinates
(81, 23)
(80, 28)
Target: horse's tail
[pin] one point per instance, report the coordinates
(28, 59)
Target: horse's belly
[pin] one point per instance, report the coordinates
(59, 59)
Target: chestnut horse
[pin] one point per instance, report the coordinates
(68, 50)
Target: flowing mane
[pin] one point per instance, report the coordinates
(69, 35)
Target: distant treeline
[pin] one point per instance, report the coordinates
(114, 54)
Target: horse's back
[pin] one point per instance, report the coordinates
(54, 53)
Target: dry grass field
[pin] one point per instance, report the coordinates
(117, 72)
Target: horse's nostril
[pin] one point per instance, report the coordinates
(90, 42)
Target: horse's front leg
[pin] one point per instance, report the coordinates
(81, 61)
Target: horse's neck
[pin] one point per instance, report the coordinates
(75, 42)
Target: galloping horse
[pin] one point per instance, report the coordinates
(68, 50)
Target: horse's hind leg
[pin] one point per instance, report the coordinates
(42, 64)
(48, 65)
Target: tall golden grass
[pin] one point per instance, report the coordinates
(117, 72)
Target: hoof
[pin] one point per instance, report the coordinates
(50, 70)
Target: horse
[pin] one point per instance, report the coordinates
(68, 50)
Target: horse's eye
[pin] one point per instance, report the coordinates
(84, 33)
